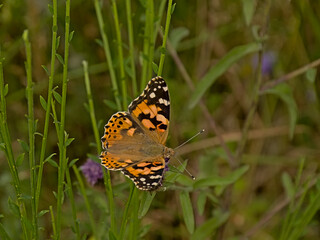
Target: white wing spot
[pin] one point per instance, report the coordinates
(164, 101)
(165, 88)
(143, 180)
(154, 89)
(152, 95)
(155, 177)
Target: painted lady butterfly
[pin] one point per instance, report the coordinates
(133, 141)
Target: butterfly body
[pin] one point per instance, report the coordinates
(133, 141)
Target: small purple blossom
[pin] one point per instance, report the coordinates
(92, 171)
(268, 62)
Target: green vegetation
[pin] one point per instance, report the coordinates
(245, 71)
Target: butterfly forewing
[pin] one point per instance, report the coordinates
(152, 109)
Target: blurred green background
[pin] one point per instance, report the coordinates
(284, 128)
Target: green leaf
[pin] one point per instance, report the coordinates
(288, 185)
(57, 96)
(248, 7)
(50, 8)
(86, 106)
(43, 103)
(173, 8)
(20, 159)
(43, 212)
(73, 162)
(6, 89)
(217, 70)
(94, 157)
(127, 68)
(60, 58)
(208, 228)
(99, 42)
(143, 3)
(155, 68)
(311, 75)
(3, 146)
(177, 34)
(145, 204)
(187, 211)
(175, 172)
(71, 36)
(221, 181)
(284, 92)
(25, 35)
(3, 233)
(45, 69)
(25, 197)
(52, 162)
(111, 104)
(24, 145)
(14, 208)
(69, 141)
(201, 202)
(112, 236)
(49, 157)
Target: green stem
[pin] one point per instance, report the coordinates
(106, 176)
(120, 54)
(125, 218)
(54, 230)
(148, 45)
(107, 53)
(165, 37)
(5, 135)
(109, 192)
(73, 206)
(31, 129)
(134, 225)
(131, 48)
(62, 135)
(251, 113)
(49, 97)
(159, 17)
(91, 107)
(87, 203)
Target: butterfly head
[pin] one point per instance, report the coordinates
(168, 153)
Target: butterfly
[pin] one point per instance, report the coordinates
(134, 141)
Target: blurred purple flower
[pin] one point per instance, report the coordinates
(92, 171)
(268, 61)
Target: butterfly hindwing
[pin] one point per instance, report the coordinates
(146, 175)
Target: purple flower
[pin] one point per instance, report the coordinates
(92, 171)
(268, 61)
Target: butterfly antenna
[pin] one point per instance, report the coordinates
(185, 169)
(189, 140)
